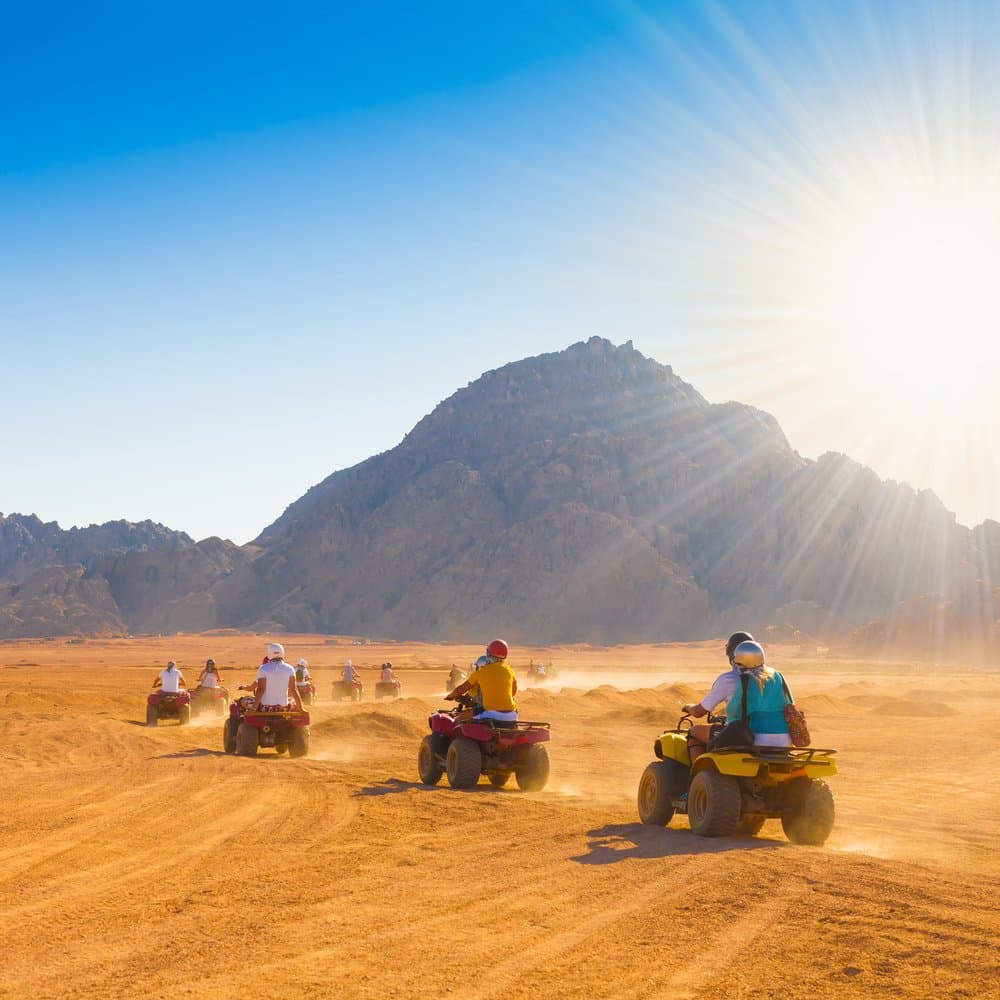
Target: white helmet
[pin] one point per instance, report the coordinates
(347, 663)
(275, 651)
(749, 655)
(302, 663)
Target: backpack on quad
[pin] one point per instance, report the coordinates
(351, 690)
(168, 705)
(464, 749)
(735, 790)
(205, 699)
(246, 731)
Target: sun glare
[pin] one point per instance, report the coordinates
(908, 285)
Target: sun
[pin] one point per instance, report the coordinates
(907, 287)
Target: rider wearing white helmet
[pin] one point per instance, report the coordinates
(170, 680)
(275, 686)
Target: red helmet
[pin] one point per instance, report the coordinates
(497, 648)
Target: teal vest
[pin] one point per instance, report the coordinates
(765, 709)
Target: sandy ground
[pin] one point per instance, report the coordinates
(145, 863)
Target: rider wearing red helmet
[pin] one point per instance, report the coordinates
(493, 685)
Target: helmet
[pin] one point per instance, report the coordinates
(171, 665)
(275, 651)
(497, 648)
(210, 663)
(748, 655)
(302, 663)
(734, 640)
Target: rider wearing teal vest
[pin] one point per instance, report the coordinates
(765, 706)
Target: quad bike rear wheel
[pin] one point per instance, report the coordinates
(229, 735)
(714, 804)
(152, 715)
(428, 767)
(533, 769)
(813, 813)
(298, 745)
(184, 715)
(464, 763)
(306, 696)
(499, 778)
(247, 740)
(660, 784)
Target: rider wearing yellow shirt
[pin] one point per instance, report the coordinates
(493, 685)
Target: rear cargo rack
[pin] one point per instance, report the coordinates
(780, 755)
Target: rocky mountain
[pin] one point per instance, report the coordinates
(589, 494)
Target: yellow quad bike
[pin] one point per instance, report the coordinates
(733, 791)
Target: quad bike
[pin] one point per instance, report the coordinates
(166, 705)
(464, 749)
(245, 731)
(455, 677)
(388, 689)
(735, 790)
(352, 690)
(205, 699)
(307, 691)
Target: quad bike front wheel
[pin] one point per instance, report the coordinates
(247, 740)
(464, 763)
(428, 767)
(812, 812)
(660, 784)
(152, 715)
(298, 745)
(714, 804)
(533, 769)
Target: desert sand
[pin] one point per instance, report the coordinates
(142, 863)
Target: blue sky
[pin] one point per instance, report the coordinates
(245, 245)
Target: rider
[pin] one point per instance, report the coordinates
(170, 680)
(302, 677)
(387, 676)
(350, 675)
(765, 698)
(455, 676)
(275, 686)
(494, 683)
(210, 676)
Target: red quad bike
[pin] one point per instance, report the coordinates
(388, 689)
(205, 699)
(464, 749)
(352, 690)
(307, 691)
(246, 731)
(161, 705)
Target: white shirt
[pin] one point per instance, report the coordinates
(723, 688)
(210, 680)
(387, 675)
(275, 673)
(170, 681)
(305, 675)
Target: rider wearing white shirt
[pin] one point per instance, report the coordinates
(387, 676)
(350, 675)
(302, 672)
(209, 676)
(171, 680)
(275, 685)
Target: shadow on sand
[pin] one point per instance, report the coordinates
(188, 754)
(393, 785)
(618, 841)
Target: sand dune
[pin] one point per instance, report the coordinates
(131, 858)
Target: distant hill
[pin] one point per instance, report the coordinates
(585, 495)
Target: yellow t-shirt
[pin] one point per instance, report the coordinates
(496, 683)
